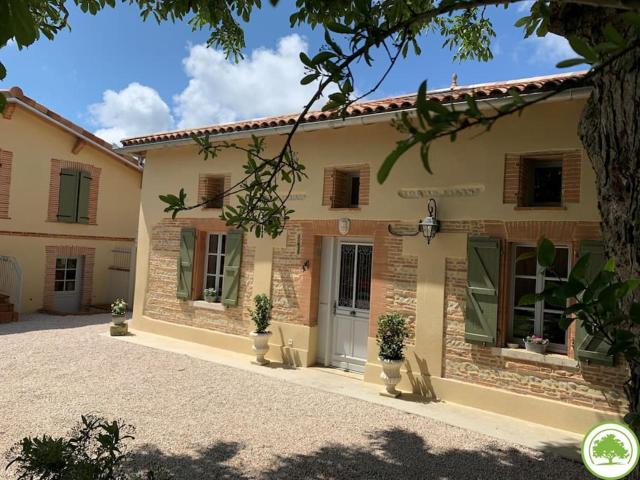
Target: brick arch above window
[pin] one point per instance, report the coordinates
(54, 188)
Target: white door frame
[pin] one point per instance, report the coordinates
(331, 276)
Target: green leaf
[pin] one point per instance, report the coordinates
(610, 266)
(525, 256)
(401, 148)
(632, 18)
(613, 35)
(527, 300)
(339, 28)
(3, 73)
(579, 270)
(546, 252)
(634, 312)
(304, 58)
(581, 47)
(321, 57)
(309, 78)
(571, 62)
(565, 322)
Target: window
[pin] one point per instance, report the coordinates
(211, 190)
(214, 262)
(346, 189)
(73, 196)
(346, 186)
(541, 182)
(540, 319)
(66, 274)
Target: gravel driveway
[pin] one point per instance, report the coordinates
(202, 420)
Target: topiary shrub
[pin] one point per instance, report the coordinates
(392, 333)
(261, 314)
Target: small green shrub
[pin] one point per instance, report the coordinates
(392, 333)
(261, 314)
(119, 307)
(93, 450)
(210, 292)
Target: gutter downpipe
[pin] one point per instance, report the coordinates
(572, 94)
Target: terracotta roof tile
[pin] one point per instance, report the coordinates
(18, 94)
(402, 102)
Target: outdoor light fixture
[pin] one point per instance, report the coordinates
(429, 225)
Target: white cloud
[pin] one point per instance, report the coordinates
(547, 50)
(134, 110)
(266, 82)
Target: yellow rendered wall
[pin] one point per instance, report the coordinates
(34, 142)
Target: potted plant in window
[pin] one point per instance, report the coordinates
(261, 316)
(536, 344)
(118, 311)
(392, 333)
(210, 295)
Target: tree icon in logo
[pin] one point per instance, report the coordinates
(610, 447)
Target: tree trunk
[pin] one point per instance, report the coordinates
(610, 133)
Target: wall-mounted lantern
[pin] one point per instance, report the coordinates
(429, 225)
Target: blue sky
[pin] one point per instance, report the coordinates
(119, 76)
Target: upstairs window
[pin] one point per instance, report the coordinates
(541, 182)
(211, 189)
(73, 196)
(540, 319)
(346, 187)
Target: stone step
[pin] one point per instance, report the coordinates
(6, 307)
(6, 317)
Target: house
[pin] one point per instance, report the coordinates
(68, 212)
(337, 267)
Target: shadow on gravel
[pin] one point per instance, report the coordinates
(39, 322)
(391, 454)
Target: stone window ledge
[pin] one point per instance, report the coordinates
(547, 359)
(207, 305)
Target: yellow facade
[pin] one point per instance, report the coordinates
(34, 141)
(474, 163)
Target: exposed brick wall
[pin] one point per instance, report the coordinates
(54, 188)
(330, 188)
(9, 110)
(54, 251)
(295, 291)
(6, 159)
(210, 186)
(515, 175)
(160, 298)
(586, 385)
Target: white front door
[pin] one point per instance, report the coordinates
(67, 289)
(352, 294)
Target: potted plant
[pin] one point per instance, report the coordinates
(392, 333)
(536, 344)
(261, 316)
(118, 311)
(210, 295)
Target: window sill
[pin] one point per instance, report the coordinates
(219, 307)
(553, 209)
(555, 359)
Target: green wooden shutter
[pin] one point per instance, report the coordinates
(68, 195)
(185, 263)
(483, 279)
(592, 348)
(232, 259)
(83, 197)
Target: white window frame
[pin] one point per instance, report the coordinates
(219, 253)
(538, 308)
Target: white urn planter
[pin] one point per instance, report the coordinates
(260, 346)
(391, 376)
(118, 319)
